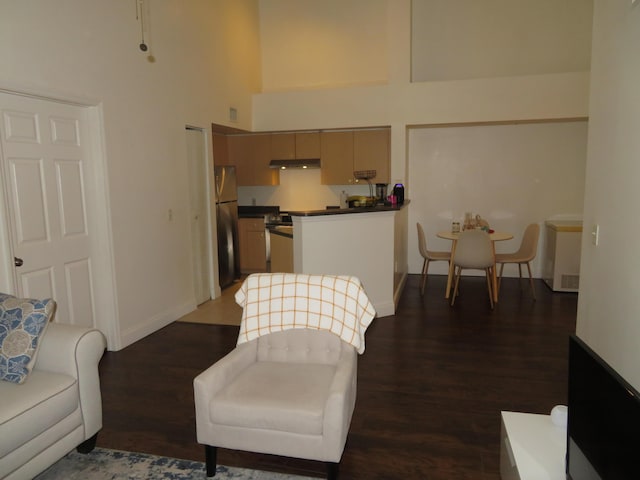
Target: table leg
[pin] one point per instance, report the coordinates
(451, 269)
(494, 277)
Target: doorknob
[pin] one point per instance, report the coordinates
(18, 261)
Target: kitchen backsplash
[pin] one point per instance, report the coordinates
(299, 190)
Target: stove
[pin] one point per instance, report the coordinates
(274, 220)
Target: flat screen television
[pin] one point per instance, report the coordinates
(603, 429)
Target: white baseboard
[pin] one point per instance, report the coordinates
(141, 330)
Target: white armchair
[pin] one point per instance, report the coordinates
(290, 392)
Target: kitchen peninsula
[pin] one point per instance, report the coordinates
(369, 243)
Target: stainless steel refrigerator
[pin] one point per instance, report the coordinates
(227, 225)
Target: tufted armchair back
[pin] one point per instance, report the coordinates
(301, 345)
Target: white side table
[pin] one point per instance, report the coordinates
(532, 447)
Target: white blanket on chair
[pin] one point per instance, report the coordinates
(273, 302)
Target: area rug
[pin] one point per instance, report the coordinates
(104, 464)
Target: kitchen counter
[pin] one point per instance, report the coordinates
(367, 242)
(253, 211)
(344, 211)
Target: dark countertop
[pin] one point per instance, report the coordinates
(282, 230)
(342, 211)
(253, 211)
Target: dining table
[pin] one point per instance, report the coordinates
(494, 236)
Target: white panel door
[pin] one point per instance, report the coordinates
(44, 157)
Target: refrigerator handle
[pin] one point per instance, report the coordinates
(220, 182)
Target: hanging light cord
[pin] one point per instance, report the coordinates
(140, 16)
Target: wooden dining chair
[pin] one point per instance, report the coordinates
(428, 256)
(525, 254)
(473, 251)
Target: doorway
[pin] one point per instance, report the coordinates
(53, 210)
(200, 225)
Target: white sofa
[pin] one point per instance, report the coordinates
(58, 407)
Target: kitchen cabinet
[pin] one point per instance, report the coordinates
(220, 150)
(343, 152)
(371, 151)
(252, 245)
(336, 158)
(281, 252)
(307, 145)
(295, 145)
(251, 155)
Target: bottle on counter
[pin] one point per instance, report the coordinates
(344, 196)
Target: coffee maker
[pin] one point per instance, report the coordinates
(381, 192)
(398, 192)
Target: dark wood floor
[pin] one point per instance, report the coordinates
(431, 384)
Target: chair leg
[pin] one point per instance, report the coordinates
(533, 289)
(211, 456)
(489, 275)
(423, 279)
(500, 277)
(332, 470)
(455, 288)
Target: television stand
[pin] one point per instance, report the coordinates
(532, 447)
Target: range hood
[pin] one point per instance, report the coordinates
(297, 163)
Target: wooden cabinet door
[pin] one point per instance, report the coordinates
(289, 146)
(239, 149)
(251, 155)
(281, 253)
(307, 145)
(262, 173)
(371, 151)
(283, 146)
(252, 245)
(336, 158)
(220, 150)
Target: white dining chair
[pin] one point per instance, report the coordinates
(525, 254)
(473, 251)
(428, 256)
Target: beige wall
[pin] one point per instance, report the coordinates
(609, 304)
(511, 175)
(499, 38)
(206, 60)
(311, 44)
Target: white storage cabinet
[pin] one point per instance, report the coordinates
(561, 269)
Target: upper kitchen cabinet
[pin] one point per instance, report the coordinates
(371, 151)
(343, 152)
(307, 145)
(251, 155)
(220, 150)
(295, 145)
(283, 146)
(336, 159)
